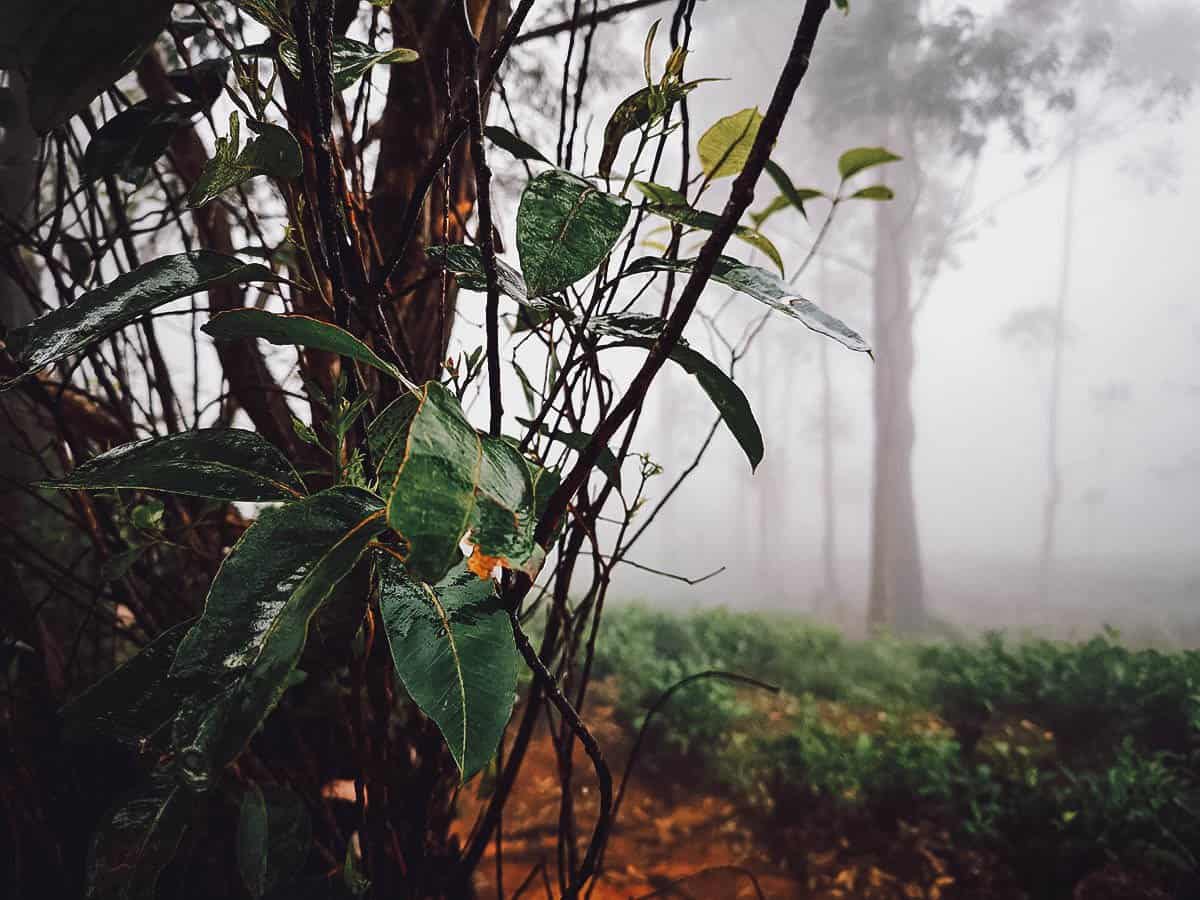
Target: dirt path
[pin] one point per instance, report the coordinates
(658, 838)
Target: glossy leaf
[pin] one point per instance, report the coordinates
(725, 147)
(452, 646)
(854, 161)
(660, 194)
(221, 463)
(565, 227)
(875, 192)
(97, 314)
(269, 13)
(606, 462)
(727, 397)
(295, 330)
(638, 110)
(442, 479)
(133, 702)
(506, 140)
(767, 288)
(137, 840)
(274, 833)
(351, 59)
(257, 615)
(85, 47)
(274, 152)
(129, 143)
(503, 522)
(706, 221)
(467, 265)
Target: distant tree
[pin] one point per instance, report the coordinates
(934, 86)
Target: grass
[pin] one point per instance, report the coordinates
(1057, 759)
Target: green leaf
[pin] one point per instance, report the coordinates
(137, 840)
(765, 287)
(565, 227)
(506, 140)
(268, 12)
(467, 265)
(725, 147)
(134, 701)
(129, 143)
(221, 463)
(256, 616)
(706, 221)
(640, 330)
(453, 649)
(727, 397)
(854, 161)
(148, 516)
(274, 152)
(353, 877)
(203, 82)
(295, 330)
(351, 59)
(442, 479)
(875, 192)
(606, 462)
(795, 196)
(638, 110)
(84, 48)
(660, 194)
(274, 833)
(99, 313)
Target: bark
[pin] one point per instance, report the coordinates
(897, 588)
(418, 110)
(1053, 469)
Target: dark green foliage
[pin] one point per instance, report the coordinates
(1055, 757)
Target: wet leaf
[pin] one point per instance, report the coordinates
(767, 288)
(221, 463)
(274, 152)
(256, 617)
(725, 147)
(295, 330)
(137, 840)
(82, 48)
(129, 143)
(442, 479)
(99, 313)
(267, 12)
(452, 646)
(854, 161)
(638, 110)
(351, 59)
(274, 833)
(506, 140)
(467, 265)
(565, 227)
(134, 701)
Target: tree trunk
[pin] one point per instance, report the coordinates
(1053, 470)
(831, 589)
(897, 582)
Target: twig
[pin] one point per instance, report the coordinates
(585, 737)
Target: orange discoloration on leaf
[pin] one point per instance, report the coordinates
(483, 565)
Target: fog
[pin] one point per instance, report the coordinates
(1128, 546)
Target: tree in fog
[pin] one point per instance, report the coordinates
(935, 87)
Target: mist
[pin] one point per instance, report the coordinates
(1128, 444)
